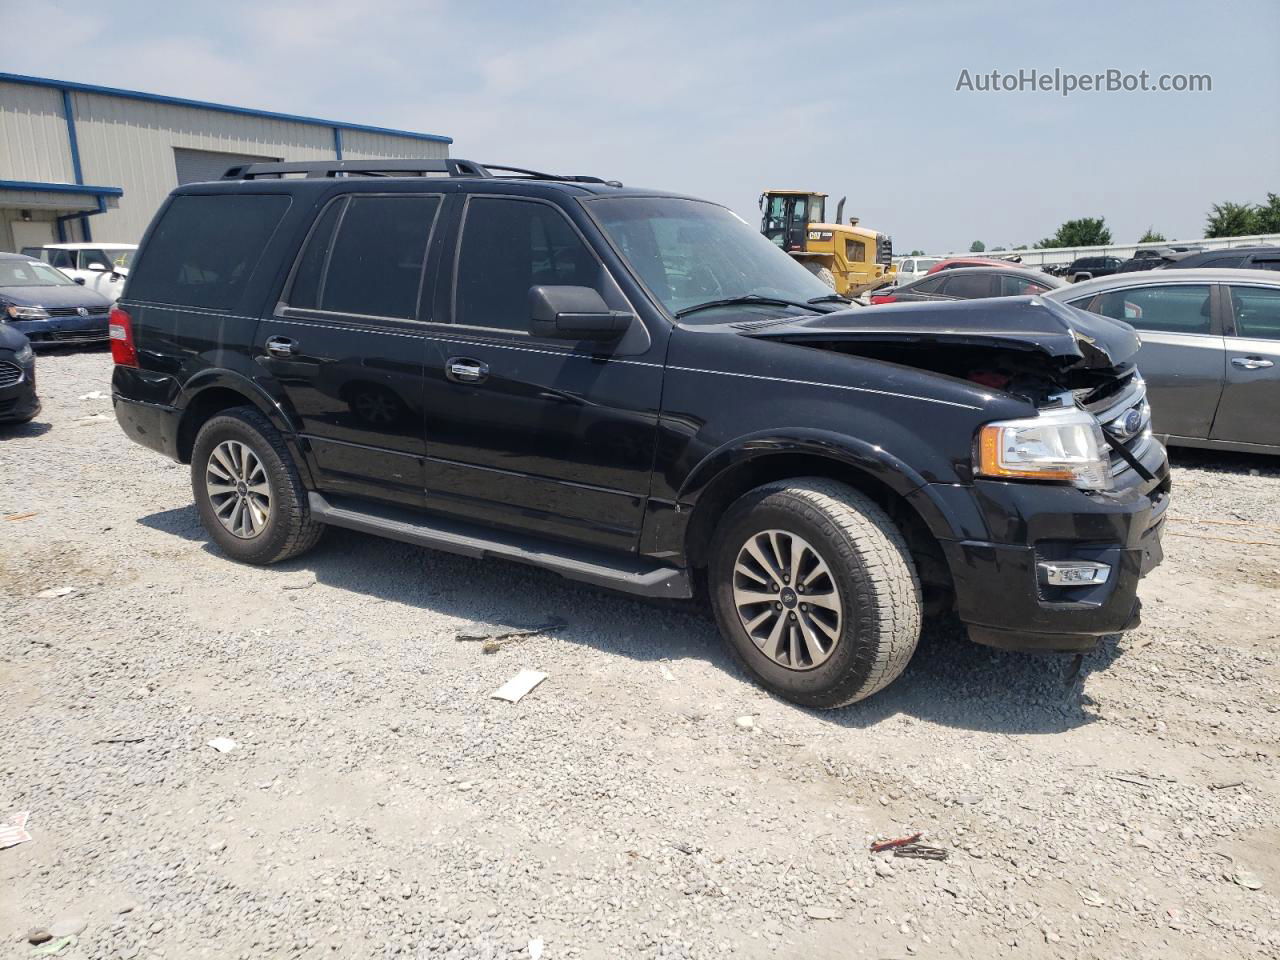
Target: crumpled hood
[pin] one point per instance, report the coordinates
(1071, 338)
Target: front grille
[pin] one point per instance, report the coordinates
(75, 311)
(1125, 417)
(10, 373)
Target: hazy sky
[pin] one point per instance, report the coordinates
(722, 100)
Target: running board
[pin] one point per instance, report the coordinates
(628, 573)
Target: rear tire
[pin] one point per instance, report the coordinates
(822, 273)
(857, 626)
(247, 489)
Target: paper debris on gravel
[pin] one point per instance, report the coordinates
(497, 630)
(93, 395)
(54, 593)
(518, 686)
(223, 744)
(13, 830)
(535, 949)
(53, 947)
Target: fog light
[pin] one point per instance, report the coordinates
(1073, 573)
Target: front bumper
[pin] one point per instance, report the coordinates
(18, 401)
(63, 331)
(1002, 596)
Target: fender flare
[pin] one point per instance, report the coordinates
(280, 418)
(219, 377)
(845, 450)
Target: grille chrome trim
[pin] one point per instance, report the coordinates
(10, 373)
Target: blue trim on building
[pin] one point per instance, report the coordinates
(61, 188)
(98, 193)
(69, 113)
(66, 85)
(337, 143)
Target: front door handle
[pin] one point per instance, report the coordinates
(1251, 363)
(466, 370)
(281, 346)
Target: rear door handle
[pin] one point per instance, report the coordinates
(466, 370)
(1251, 363)
(281, 346)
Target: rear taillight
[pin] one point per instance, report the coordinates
(887, 298)
(120, 330)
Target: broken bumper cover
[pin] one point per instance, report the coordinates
(1003, 593)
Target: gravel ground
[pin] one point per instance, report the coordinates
(379, 803)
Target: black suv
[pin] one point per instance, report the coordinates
(1088, 268)
(637, 390)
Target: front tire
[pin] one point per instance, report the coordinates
(822, 273)
(815, 591)
(247, 489)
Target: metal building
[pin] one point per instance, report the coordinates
(82, 162)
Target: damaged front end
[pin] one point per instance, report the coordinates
(1071, 495)
(1053, 356)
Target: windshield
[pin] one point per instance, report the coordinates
(688, 252)
(31, 273)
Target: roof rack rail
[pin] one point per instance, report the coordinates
(318, 169)
(314, 169)
(538, 175)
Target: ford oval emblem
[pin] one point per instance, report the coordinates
(1132, 421)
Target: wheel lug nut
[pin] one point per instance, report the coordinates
(792, 614)
(778, 605)
(804, 606)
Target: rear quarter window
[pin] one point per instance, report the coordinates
(205, 248)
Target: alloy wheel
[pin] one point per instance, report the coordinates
(239, 492)
(787, 599)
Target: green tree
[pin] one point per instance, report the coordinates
(1021, 246)
(1085, 232)
(916, 253)
(1232, 220)
(977, 247)
(1151, 236)
(1268, 214)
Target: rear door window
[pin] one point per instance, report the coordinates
(969, 286)
(365, 257)
(1257, 311)
(1020, 286)
(930, 285)
(1171, 308)
(205, 248)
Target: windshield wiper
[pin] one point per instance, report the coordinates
(830, 298)
(746, 299)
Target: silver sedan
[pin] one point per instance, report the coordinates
(1210, 350)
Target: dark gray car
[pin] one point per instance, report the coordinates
(1210, 350)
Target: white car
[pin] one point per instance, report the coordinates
(100, 267)
(913, 268)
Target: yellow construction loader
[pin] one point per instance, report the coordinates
(851, 259)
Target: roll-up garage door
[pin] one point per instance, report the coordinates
(197, 166)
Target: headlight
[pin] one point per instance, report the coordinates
(1060, 444)
(26, 313)
(25, 354)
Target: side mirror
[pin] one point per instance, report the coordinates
(574, 313)
(96, 267)
(80, 280)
